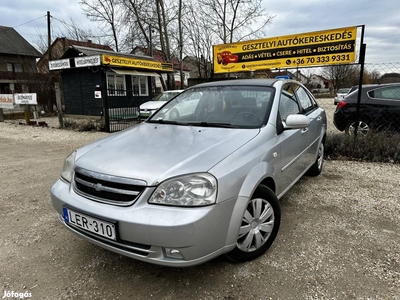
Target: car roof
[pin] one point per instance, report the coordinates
(367, 87)
(254, 82)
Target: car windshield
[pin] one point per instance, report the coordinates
(165, 96)
(219, 106)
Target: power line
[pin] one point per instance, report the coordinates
(61, 21)
(29, 21)
(72, 26)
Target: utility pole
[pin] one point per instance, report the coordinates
(48, 35)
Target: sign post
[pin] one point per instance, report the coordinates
(26, 99)
(59, 104)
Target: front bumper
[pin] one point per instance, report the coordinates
(144, 114)
(144, 231)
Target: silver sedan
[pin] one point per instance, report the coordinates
(181, 189)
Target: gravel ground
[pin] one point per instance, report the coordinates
(339, 237)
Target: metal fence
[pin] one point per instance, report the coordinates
(379, 111)
(121, 110)
(373, 132)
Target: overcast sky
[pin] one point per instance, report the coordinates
(381, 20)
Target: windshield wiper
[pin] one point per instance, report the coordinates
(213, 124)
(162, 121)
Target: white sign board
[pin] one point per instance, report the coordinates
(87, 61)
(6, 101)
(25, 98)
(97, 94)
(59, 64)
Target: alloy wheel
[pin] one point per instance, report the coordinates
(362, 128)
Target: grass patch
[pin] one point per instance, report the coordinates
(375, 147)
(83, 125)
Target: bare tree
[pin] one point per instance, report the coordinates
(142, 19)
(76, 32)
(235, 20)
(199, 41)
(154, 16)
(341, 75)
(180, 42)
(181, 27)
(106, 12)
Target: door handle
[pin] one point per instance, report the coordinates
(304, 130)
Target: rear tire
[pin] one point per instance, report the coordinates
(363, 128)
(259, 226)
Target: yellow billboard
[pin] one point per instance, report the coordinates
(334, 46)
(119, 61)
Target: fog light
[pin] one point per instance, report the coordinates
(172, 253)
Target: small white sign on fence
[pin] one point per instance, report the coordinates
(27, 98)
(6, 101)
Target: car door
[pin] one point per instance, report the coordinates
(311, 109)
(294, 142)
(386, 101)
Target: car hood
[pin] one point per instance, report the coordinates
(155, 152)
(151, 105)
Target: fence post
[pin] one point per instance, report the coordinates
(362, 62)
(106, 113)
(59, 105)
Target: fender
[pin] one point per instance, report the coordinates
(254, 178)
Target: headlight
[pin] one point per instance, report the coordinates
(189, 190)
(68, 167)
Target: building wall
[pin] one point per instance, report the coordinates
(28, 63)
(78, 87)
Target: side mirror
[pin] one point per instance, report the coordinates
(296, 122)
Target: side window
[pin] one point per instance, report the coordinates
(304, 98)
(392, 93)
(288, 105)
(116, 85)
(140, 86)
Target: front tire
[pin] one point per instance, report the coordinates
(174, 114)
(316, 168)
(259, 227)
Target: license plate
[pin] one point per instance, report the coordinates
(88, 223)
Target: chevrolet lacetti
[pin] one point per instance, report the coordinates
(181, 189)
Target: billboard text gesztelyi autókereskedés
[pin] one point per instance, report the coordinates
(334, 46)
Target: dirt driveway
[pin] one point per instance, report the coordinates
(339, 238)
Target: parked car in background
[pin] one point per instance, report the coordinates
(186, 105)
(148, 108)
(339, 96)
(180, 190)
(379, 109)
